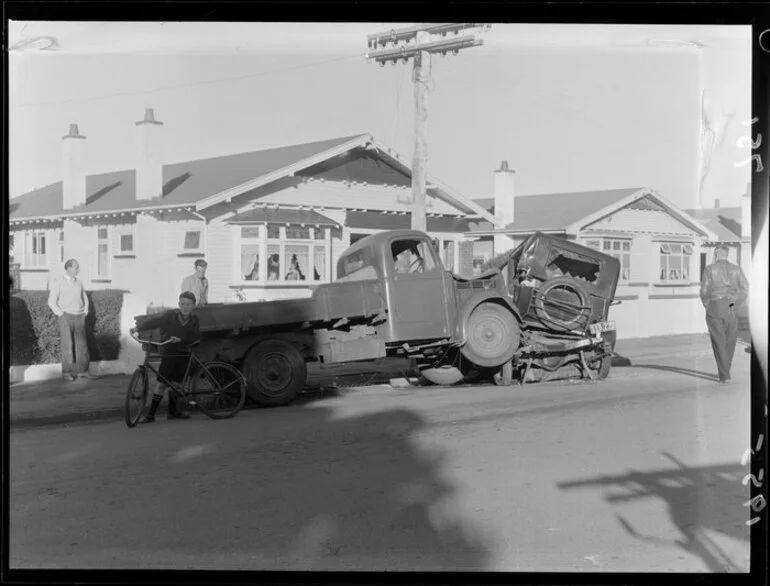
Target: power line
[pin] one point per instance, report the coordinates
(184, 85)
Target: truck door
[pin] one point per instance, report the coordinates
(417, 292)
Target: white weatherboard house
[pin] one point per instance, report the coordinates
(250, 215)
(660, 247)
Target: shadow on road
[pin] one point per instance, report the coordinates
(709, 497)
(317, 490)
(622, 361)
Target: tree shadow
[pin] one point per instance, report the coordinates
(304, 488)
(622, 361)
(698, 498)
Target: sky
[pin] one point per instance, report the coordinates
(570, 107)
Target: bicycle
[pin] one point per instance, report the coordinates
(216, 388)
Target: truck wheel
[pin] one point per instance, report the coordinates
(443, 375)
(492, 335)
(275, 371)
(552, 297)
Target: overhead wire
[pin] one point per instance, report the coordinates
(185, 85)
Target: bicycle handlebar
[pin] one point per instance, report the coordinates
(135, 337)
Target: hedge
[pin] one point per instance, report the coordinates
(35, 329)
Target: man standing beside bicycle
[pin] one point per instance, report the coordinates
(180, 327)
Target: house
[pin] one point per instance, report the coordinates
(659, 246)
(270, 223)
(732, 226)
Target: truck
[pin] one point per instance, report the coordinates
(392, 298)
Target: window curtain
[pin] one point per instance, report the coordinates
(250, 262)
(296, 262)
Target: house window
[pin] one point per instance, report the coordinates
(126, 243)
(448, 254)
(61, 246)
(192, 240)
(291, 253)
(102, 252)
(35, 249)
(675, 262)
(11, 242)
(250, 249)
(615, 247)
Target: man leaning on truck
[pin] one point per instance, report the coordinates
(197, 283)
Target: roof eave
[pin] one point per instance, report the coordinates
(58, 217)
(288, 170)
(446, 192)
(515, 232)
(579, 225)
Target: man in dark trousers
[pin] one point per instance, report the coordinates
(181, 327)
(723, 286)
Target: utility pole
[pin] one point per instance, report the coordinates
(416, 42)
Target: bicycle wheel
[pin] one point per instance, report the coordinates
(219, 391)
(136, 397)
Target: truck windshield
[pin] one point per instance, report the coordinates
(412, 256)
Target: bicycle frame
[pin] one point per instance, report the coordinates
(193, 359)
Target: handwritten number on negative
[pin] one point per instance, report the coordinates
(744, 141)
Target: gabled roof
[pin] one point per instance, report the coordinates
(725, 223)
(571, 212)
(203, 183)
(556, 211)
(282, 216)
(183, 183)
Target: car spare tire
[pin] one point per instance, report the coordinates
(562, 304)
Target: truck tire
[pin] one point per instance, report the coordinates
(443, 375)
(562, 290)
(492, 335)
(275, 372)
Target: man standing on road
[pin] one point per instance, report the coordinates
(723, 286)
(68, 301)
(197, 283)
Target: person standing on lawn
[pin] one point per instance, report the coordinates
(723, 286)
(197, 283)
(181, 327)
(69, 302)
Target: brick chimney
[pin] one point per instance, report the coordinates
(746, 213)
(149, 158)
(504, 205)
(74, 170)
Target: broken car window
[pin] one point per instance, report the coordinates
(565, 263)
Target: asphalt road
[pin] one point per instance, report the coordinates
(641, 472)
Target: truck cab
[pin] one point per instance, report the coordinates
(405, 267)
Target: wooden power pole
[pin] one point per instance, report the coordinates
(404, 49)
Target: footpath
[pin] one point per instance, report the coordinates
(60, 402)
